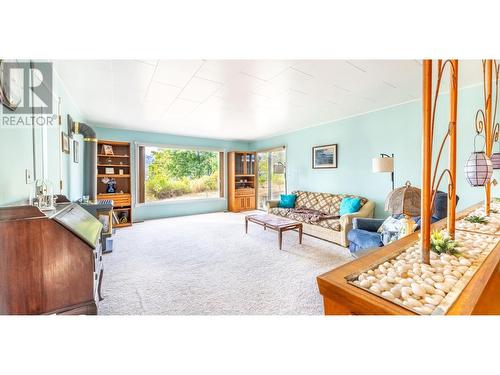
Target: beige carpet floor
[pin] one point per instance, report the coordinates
(205, 264)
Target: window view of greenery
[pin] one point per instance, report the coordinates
(180, 174)
(271, 184)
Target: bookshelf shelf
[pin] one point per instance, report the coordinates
(122, 197)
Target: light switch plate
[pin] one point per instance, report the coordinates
(29, 177)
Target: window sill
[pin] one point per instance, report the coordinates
(180, 201)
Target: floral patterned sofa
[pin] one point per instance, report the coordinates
(332, 229)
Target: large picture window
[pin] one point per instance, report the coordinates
(169, 174)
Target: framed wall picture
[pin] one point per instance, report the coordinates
(324, 156)
(64, 143)
(76, 152)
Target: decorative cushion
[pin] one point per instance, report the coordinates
(287, 201)
(349, 205)
(391, 229)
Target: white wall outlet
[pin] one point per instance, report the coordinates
(29, 176)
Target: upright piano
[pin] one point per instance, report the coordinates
(50, 262)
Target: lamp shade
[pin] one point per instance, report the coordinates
(478, 169)
(279, 168)
(495, 160)
(382, 164)
(404, 200)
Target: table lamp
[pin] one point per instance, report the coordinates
(404, 200)
(384, 164)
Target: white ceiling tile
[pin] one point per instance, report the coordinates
(220, 70)
(129, 74)
(182, 107)
(176, 72)
(162, 93)
(293, 79)
(199, 89)
(240, 99)
(265, 69)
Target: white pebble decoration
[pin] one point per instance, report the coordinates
(388, 295)
(433, 300)
(365, 283)
(418, 290)
(422, 287)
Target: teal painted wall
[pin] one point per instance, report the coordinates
(394, 130)
(179, 208)
(16, 155)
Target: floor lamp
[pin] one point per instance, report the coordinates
(384, 164)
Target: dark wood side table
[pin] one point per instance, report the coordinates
(279, 224)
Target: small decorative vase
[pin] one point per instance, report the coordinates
(495, 160)
(478, 169)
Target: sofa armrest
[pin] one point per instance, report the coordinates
(272, 204)
(368, 224)
(365, 211)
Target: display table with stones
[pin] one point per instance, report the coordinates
(393, 280)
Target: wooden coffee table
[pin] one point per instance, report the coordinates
(279, 224)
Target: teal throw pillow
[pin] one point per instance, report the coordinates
(287, 201)
(349, 206)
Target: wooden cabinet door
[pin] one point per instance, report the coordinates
(240, 203)
(251, 203)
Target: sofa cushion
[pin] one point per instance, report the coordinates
(324, 202)
(349, 205)
(287, 201)
(333, 224)
(279, 211)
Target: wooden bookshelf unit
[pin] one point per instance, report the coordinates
(242, 179)
(120, 162)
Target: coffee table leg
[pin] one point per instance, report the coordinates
(280, 237)
(300, 235)
(246, 226)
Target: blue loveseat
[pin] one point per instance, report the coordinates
(364, 234)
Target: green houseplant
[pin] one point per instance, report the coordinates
(442, 243)
(476, 219)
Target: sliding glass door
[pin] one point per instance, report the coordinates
(272, 175)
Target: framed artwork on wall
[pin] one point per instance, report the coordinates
(76, 152)
(324, 157)
(64, 143)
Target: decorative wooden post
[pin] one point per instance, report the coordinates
(452, 163)
(426, 162)
(430, 179)
(488, 128)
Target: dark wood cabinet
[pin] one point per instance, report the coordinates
(51, 263)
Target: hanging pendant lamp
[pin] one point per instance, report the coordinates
(495, 160)
(479, 168)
